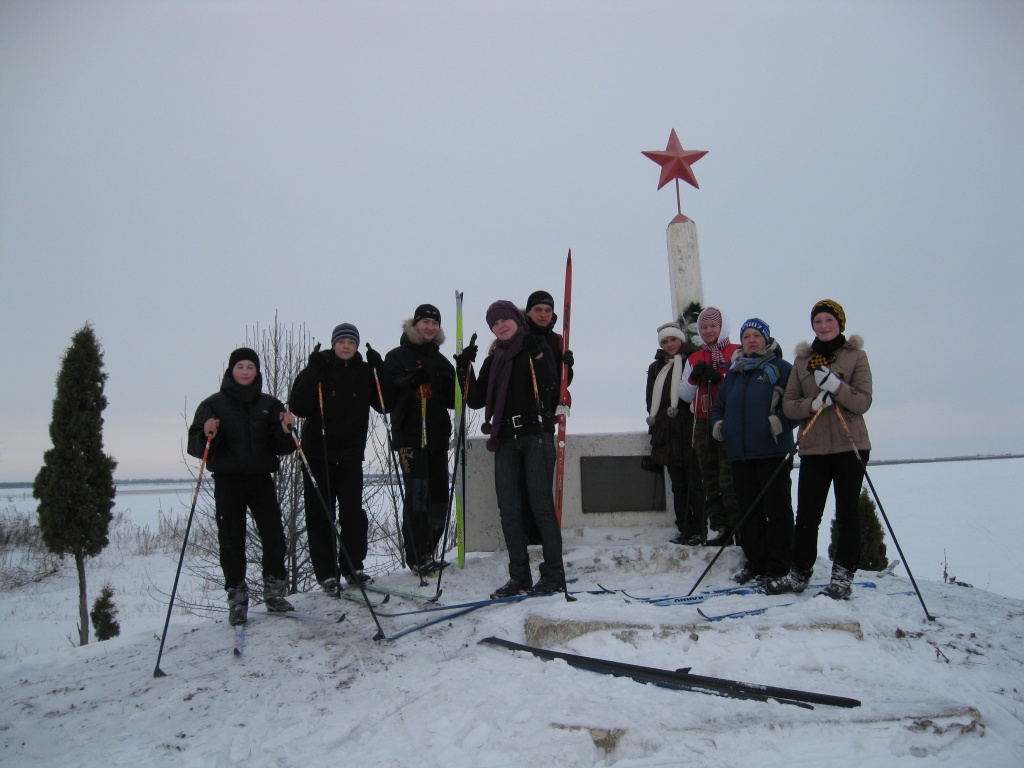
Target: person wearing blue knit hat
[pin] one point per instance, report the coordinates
(748, 417)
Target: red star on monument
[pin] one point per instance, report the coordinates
(675, 161)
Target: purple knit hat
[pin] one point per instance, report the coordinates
(504, 310)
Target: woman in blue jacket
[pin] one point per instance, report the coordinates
(748, 418)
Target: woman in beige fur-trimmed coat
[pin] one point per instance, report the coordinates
(832, 372)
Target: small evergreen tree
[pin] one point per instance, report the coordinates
(75, 486)
(873, 554)
(104, 614)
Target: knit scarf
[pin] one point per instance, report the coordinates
(717, 358)
(497, 385)
(824, 352)
(759, 361)
(671, 371)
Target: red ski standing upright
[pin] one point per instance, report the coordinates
(564, 399)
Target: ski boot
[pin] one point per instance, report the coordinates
(238, 604)
(841, 585)
(273, 595)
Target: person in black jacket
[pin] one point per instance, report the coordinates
(334, 394)
(540, 322)
(671, 429)
(248, 430)
(516, 387)
(421, 428)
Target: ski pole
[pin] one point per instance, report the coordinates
(344, 550)
(849, 434)
(540, 418)
(460, 448)
(157, 672)
(335, 533)
(387, 432)
(424, 498)
(786, 459)
(690, 511)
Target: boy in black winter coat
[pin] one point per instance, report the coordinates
(247, 430)
(421, 428)
(334, 394)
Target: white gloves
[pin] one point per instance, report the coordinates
(827, 380)
(776, 425)
(823, 400)
(716, 431)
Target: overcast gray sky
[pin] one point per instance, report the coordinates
(177, 172)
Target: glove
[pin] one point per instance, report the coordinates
(776, 399)
(316, 360)
(712, 375)
(373, 357)
(420, 376)
(531, 344)
(716, 431)
(697, 371)
(827, 380)
(466, 357)
(823, 400)
(567, 358)
(775, 424)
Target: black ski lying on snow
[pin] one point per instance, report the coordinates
(682, 679)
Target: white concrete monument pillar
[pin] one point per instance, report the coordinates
(684, 264)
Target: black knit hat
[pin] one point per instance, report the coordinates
(424, 311)
(539, 297)
(345, 331)
(244, 353)
(833, 308)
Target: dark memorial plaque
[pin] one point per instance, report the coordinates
(620, 484)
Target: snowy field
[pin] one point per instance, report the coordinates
(309, 692)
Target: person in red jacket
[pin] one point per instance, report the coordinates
(702, 376)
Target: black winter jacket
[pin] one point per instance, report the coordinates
(406, 418)
(349, 392)
(249, 438)
(521, 401)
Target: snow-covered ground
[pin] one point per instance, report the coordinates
(313, 692)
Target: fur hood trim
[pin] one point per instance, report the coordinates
(803, 349)
(414, 336)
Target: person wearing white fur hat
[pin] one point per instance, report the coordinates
(671, 429)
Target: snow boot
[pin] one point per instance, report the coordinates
(841, 585)
(511, 588)
(238, 604)
(723, 539)
(330, 586)
(273, 595)
(746, 575)
(546, 586)
(794, 581)
(359, 577)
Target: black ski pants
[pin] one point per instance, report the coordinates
(232, 494)
(425, 473)
(341, 483)
(767, 535)
(817, 474)
(528, 457)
